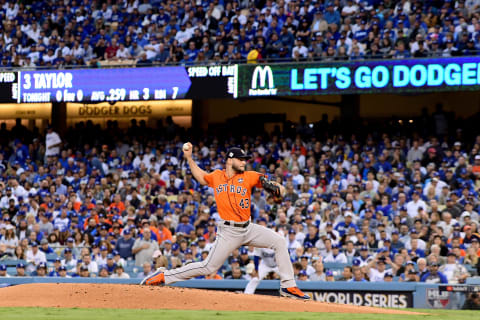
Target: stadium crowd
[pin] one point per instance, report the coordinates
(90, 33)
(108, 203)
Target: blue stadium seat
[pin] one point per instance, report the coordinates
(334, 266)
(13, 263)
(11, 270)
(51, 257)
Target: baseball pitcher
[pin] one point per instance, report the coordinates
(232, 188)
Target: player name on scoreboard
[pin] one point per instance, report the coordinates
(103, 85)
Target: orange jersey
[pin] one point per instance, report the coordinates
(163, 234)
(77, 205)
(233, 194)
(120, 206)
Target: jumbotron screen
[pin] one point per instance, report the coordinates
(119, 84)
(359, 77)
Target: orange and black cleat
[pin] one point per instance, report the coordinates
(293, 292)
(155, 279)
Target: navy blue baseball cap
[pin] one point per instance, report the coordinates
(3, 267)
(175, 246)
(20, 265)
(237, 153)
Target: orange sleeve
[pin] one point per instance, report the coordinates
(210, 177)
(168, 235)
(254, 179)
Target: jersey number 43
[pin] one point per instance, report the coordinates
(245, 203)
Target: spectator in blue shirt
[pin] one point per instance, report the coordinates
(358, 276)
(185, 226)
(382, 165)
(433, 275)
(362, 34)
(332, 15)
(191, 53)
(21, 152)
(44, 247)
(343, 226)
(124, 244)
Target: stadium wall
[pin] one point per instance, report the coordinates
(218, 112)
(371, 106)
(464, 104)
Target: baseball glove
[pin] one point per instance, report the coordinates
(273, 188)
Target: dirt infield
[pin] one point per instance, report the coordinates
(137, 297)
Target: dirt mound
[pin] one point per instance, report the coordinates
(63, 295)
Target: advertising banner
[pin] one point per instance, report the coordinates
(359, 77)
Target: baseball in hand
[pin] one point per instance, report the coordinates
(186, 146)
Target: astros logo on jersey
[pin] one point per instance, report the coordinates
(231, 188)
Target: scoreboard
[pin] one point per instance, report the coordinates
(120, 84)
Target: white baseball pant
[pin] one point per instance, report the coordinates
(230, 238)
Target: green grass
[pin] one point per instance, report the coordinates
(120, 314)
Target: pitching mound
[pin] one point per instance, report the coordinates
(138, 297)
